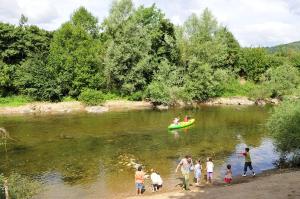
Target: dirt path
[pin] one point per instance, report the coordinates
(273, 185)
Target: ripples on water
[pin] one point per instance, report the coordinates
(81, 155)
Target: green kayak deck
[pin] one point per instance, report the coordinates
(181, 124)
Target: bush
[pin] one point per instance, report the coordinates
(14, 100)
(278, 82)
(68, 99)
(234, 88)
(284, 126)
(20, 187)
(158, 93)
(260, 92)
(91, 97)
(36, 79)
(111, 96)
(137, 96)
(282, 80)
(202, 82)
(253, 62)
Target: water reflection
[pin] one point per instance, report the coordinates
(80, 154)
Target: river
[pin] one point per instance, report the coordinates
(89, 155)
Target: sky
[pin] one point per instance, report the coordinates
(253, 22)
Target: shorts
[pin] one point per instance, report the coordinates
(156, 186)
(227, 180)
(139, 185)
(209, 175)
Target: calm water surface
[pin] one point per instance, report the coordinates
(87, 156)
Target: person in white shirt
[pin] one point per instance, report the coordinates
(209, 170)
(156, 180)
(176, 120)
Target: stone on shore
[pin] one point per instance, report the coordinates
(96, 109)
(162, 107)
(230, 101)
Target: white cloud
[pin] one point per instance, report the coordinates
(254, 23)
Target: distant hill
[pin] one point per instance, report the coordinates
(294, 46)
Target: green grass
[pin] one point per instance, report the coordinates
(235, 88)
(68, 99)
(14, 101)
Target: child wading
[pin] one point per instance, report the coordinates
(209, 170)
(156, 180)
(228, 175)
(248, 162)
(139, 180)
(198, 169)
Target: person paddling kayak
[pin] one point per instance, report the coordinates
(176, 120)
(186, 119)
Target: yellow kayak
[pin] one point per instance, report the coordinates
(181, 124)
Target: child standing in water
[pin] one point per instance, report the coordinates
(139, 180)
(198, 169)
(228, 175)
(248, 162)
(209, 170)
(156, 180)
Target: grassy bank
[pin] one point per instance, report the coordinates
(13, 101)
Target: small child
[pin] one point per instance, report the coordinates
(209, 170)
(139, 180)
(156, 180)
(228, 175)
(248, 162)
(198, 169)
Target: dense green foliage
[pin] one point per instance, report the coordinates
(17, 44)
(91, 97)
(284, 126)
(278, 82)
(20, 187)
(138, 53)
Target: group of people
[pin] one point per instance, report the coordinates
(187, 166)
(177, 119)
(140, 176)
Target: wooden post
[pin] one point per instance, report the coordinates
(6, 189)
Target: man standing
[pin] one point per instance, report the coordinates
(186, 165)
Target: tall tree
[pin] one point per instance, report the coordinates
(74, 54)
(139, 44)
(16, 45)
(206, 40)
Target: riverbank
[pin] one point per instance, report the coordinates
(118, 105)
(276, 184)
(73, 107)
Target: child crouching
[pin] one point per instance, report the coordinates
(156, 180)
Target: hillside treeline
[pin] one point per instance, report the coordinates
(136, 52)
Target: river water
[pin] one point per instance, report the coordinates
(88, 156)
